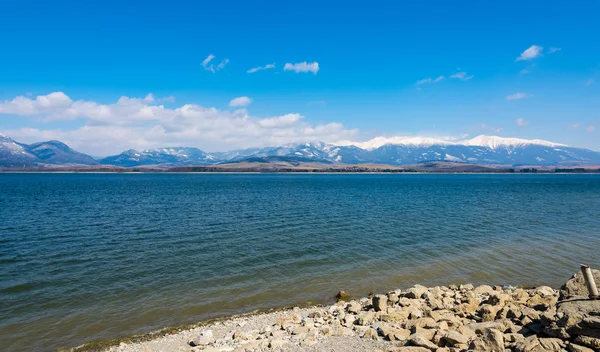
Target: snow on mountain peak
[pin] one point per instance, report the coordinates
(491, 142)
(409, 141)
(494, 142)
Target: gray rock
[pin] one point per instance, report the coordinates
(416, 314)
(483, 289)
(588, 341)
(371, 334)
(552, 344)
(380, 303)
(479, 328)
(394, 334)
(554, 330)
(578, 348)
(577, 317)
(300, 330)
(466, 287)
(296, 318)
(409, 349)
(417, 291)
(530, 344)
(420, 323)
(592, 322)
(277, 343)
(511, 338)
(491, 340)
(394, 316)
(575, 286)
(354, 307)
(453, 338)
(204, 338)
(420, 341)
(343, 296)
(393, 297)
(365, 318)
(241, 335)
(308, 342)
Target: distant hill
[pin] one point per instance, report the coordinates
(178, 156)
(14, 154)
(55, 152)
(481, 150)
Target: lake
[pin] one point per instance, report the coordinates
(97, 256)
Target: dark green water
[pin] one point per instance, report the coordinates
(96, 256)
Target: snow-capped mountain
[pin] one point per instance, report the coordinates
(494, 142)
(378, 142)
(161, 156)
(381, 150)
(411, 150)
(15, 154)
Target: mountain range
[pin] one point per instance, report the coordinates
(483, 150)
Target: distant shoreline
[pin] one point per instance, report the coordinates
(302, 172)
(432, 167)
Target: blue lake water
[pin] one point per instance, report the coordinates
(96, 256)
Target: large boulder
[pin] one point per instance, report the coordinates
(342, 296)
(576, 287)
(204, 338)
(580, 317)
(421, 341)
(380, 303)
(491, 340)
(415, 292)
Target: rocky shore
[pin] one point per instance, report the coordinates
(418, 319)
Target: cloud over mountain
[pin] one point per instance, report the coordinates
(140, 123)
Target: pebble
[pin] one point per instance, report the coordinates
(417, 319)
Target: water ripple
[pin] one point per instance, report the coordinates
(94, 256)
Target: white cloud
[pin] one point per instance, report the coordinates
(207, 60)
(240, 101)
(553, 50)
(222, 64)
(430, 80)
(260, 68)
(522, 122)
(132, 123)
(280, 121)
(517, 96)
(302, 67)
(211, 67)
(50, 103)
(590, 128)
(462, 76)
(149, 98)
(530, 53)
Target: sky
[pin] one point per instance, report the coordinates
(106, 76)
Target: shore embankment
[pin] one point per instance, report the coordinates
(417, 319)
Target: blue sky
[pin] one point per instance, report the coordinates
(374, 61)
